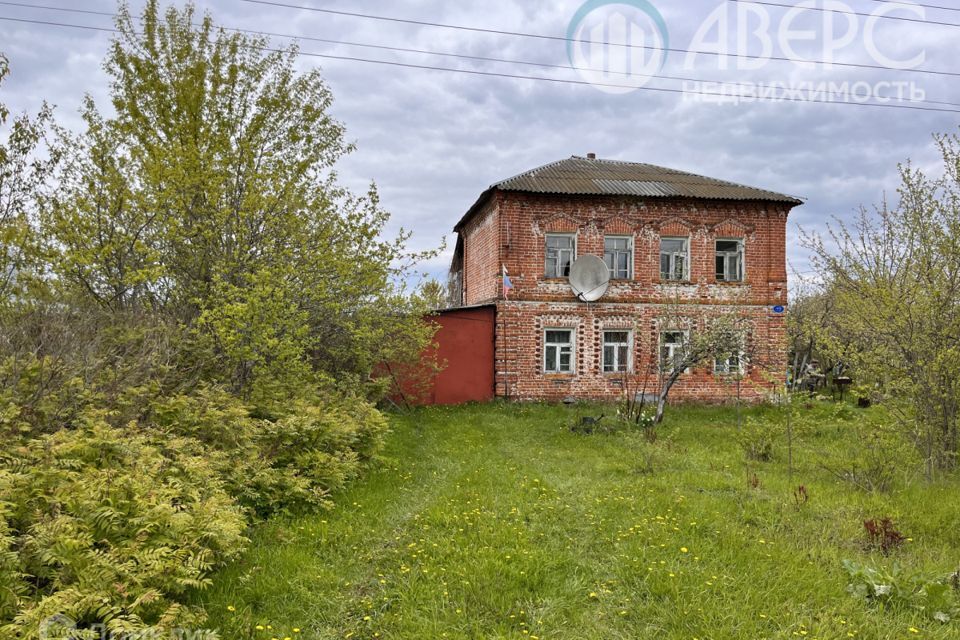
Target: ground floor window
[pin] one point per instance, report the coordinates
(616, 351)
(727, 365)
(671, 349)
(558, 351)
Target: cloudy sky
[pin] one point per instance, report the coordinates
(433, 140)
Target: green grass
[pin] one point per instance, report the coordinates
(497, 522)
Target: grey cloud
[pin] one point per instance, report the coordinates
(433, 140)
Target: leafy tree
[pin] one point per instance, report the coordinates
(705, 337)
(190, 310)
(434, 294)
(23, 173)
(894, 280)
(210, 197)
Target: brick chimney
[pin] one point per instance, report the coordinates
(591, 156)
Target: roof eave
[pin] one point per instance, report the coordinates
(482, 200)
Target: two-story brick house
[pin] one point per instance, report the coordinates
(667, 237)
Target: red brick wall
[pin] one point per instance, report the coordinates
(519, 353)
(510, 230)
(481, 256)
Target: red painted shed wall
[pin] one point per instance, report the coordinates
(466, 345)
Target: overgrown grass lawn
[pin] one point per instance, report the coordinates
(497, 521)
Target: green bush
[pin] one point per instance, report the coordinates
(757, 439)
(114, 524)
(12, 587)
(110, 528)
(875, 456)
(289, 464)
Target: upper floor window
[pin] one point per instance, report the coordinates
(561, 251)
(558, 351)
(730, 260)
(618, 254)
(616, 351)
(674, 259)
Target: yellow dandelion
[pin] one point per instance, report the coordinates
(683, 549)
(231, 608)
(914, 630)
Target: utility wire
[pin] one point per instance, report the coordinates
(493, 74)
(447, 54)
(852, 13)
(918, 4)
(541, 36)
(66, 9)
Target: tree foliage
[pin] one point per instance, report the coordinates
(716, 335)
(192, 309)
(210, 196)
(893, 281)
(23, 174)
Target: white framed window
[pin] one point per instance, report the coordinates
(616, 351)
(732, 364)
(561, 251)
(674, 259)
(618, 254)
(558, 350)
(729, 260)
(672, 347)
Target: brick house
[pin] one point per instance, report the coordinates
(669, 238)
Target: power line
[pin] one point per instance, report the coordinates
(853, 13)
(541, 36)
(59, 24)
(494, 74)
(917, 4)
(446, 54)
(66, 9)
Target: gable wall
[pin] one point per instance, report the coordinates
(481, 255)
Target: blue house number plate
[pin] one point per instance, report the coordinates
(779, 309)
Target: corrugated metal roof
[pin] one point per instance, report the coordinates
(583, 176)
(578, 175)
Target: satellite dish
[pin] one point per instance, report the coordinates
(589, 278)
